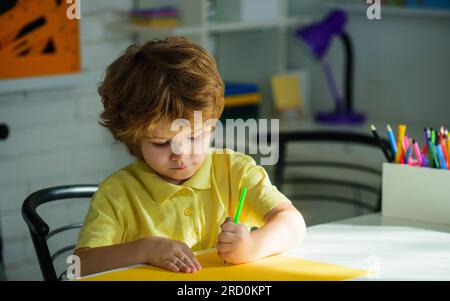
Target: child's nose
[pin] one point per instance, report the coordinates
(180, 148)
(175, 157)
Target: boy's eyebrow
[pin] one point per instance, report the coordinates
(166, 138)
(158, 138)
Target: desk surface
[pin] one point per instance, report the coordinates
(395, 249)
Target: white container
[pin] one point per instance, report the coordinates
(416, 193)
(246, 10)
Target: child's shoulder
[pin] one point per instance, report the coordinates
(120, 177)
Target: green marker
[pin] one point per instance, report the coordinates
(240, 205)
(239, 208)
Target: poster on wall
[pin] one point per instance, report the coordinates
(37, 38)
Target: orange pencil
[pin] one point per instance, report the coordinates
(448, 142)
(446, 155)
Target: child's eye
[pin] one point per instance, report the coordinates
(161, 144)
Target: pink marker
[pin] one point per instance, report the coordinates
(417, 152)
(412, 162)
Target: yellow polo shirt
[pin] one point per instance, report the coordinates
(135, 202)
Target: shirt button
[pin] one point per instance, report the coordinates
(193, 236)
(188, 211)
(185, 192)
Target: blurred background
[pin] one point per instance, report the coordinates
(50, 67)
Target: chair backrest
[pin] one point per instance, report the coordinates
(39, 229)
(332, 137)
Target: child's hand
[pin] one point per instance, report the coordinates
(172, 255)
(235, 244)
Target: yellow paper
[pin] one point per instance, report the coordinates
(274, 268)
(286, 91)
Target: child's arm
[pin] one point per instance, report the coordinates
(169, 254)
(284, 227)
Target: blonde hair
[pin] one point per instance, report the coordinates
(160, 80)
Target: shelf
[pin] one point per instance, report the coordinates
(254, 25)
(152, 31)
(8, 86)
(222, 27)
(407, 11)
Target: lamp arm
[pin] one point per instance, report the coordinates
(333, 87)
(349, 63)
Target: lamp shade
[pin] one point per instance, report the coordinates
(319, 35)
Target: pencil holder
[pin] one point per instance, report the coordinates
(416, 193)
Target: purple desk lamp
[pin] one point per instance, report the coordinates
(318, 37)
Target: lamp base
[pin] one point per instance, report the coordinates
(343, 118)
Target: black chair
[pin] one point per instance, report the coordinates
(281, 180)
(39, 229)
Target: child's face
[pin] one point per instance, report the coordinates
(176, 155)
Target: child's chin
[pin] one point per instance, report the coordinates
(182, 174)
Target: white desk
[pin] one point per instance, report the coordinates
(401, 249)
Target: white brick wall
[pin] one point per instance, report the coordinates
(55, 139)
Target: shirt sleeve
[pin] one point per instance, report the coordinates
(261, 197)
(104, 222)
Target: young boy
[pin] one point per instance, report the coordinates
(173, 201)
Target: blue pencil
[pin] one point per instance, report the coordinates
(408, 151)
(441, 156)
(392, 140)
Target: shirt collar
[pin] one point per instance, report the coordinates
(160, 189)
(202, 177)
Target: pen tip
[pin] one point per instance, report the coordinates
(389, 127)
(373, 127)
